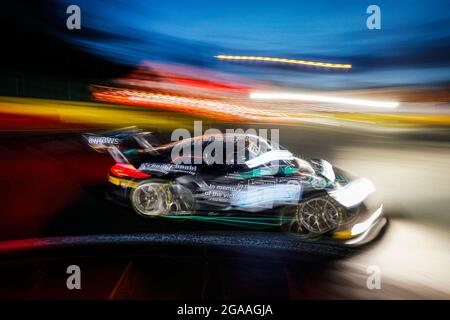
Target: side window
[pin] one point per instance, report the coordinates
(245, 149)
(274, 168)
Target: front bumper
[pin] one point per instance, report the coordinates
(365, 228)
(370, 234)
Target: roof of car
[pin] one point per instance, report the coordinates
(207, 137)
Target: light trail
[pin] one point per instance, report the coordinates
(321, 98)
(284, 60)
(221, 110)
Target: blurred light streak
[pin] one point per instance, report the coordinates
(164, 76)
(283, 60)
(216, 109)
(400, 119)
(198, 83)
(42, 114)
(321, 98)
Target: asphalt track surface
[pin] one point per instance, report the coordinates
(48, 195)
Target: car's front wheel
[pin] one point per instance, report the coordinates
(314, 216)
(319, 215)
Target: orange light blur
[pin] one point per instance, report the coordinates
(201, 106)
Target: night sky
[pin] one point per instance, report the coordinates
(413, 46)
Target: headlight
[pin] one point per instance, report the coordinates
(353, 193)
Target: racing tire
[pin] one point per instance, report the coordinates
(161, 198)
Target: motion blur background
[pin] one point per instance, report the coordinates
(374, 102)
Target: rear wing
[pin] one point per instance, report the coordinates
(118, 141)
(101, 143)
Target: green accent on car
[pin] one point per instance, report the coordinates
(260, 172)
(130, 151)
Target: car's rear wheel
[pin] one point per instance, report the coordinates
(153, 199)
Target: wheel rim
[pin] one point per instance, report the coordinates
(149, 199)
(156, 199)
(181, 199)
(319, 215)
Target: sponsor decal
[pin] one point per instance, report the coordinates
(165, 168)
(95, 140)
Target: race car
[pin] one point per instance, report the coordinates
(239, 179)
